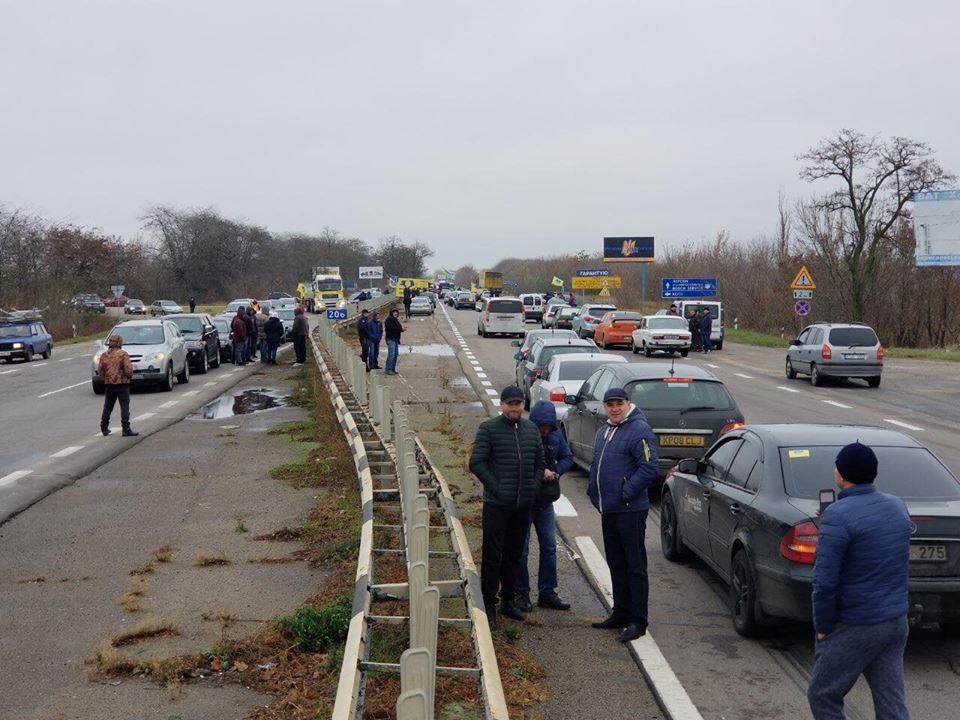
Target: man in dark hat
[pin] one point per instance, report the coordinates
(508, 460)
(623, 468)
(860, 592)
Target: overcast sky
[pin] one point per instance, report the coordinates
(484, 129)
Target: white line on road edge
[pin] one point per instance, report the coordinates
(67, 451)
(711, 365)
(65, 359)
(481, 374)
(168, 404)
(902, 424)
(744, 376)
(7, 372)
(145, 416)
(14, 476)
(191, 393)
(40, 364)
(837, 404)
(492, 392)
(68, 387)
(209, 384)
(666, 685)
(786, 389)
(563, 507)
(486, 383)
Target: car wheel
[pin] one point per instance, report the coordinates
(48, 353)
(604, 344)
(874, 381)
(633, 346)
(29, 355)
(646, 350)
(98, 388)
(743, 596)
(789, 371)
(816, 379)
(719, 346)
(684, 353)
(204, 365)
(167, 384)
(670, 543)
(215, 363)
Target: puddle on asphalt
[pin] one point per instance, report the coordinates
(243, 403)
(431, 349)
(460, 381)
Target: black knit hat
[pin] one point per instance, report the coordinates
(857, 464)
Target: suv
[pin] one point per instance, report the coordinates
(585, 321)
(23, 338)
(202, 338)
(157, 351)
(843, 350)
(164, 307)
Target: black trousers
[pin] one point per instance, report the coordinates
(300, 348)
(623, 543)
(111, 395)
(504, 532)
(364, 348)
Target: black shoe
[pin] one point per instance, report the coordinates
(553, 601)
(510, 610)
(105, 430)
(492, 619)
(612, 622)
(522, 602)
(632, 632)
(130, 433)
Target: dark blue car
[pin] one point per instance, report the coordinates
(24, 339)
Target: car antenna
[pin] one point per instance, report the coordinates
(673, 361)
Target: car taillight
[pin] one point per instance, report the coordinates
(558, 394)
(879, 352)
(523, 314)
(538, 372)
(488, 314)
(826, 353)
(800, 543)
(730, 426)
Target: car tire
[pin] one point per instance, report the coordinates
(633, 346)
(646, 351)
(684, 353)
(204, 364)
(215, 363)
(99, 389)
(184, 377)
(816, 379)
(603, 343)
(874, 381)
(48, 353)
(719, 346)
(167, 384)
(29, 356)
(670, 542)
(743, 596)
(789, 371)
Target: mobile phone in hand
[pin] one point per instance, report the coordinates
(826, 498)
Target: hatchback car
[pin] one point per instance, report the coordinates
(563, 376)
(88, 302)
(661, 333)
(564, 318)
(615, 328)
(24, 337)
(749, 510)
(464, 299)
(202, 338)
(550, 313)
(501, 316)
(687, 407)
(164, 307)
(421, 305)
(134, 307)
(533, 335)
(839, 350)
(586, 321)
(531, 367)
(157, 351)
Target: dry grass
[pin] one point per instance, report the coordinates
(205, 560)
(164, 553)
(145, 630)
(109, 660)
(132, 599)
(145, 568)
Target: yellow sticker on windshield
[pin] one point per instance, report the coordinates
(798, 453)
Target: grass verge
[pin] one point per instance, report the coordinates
(753, 337)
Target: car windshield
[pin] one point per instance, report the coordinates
(579, 370)
(236, 305)
(667, 322)
(532, 337)
(138, 303)
(908, 472)
(505, 306)
(189, 325)
(567, 313)
(548, 352)
(140, 334)
(167, 303)
(14, 330)
(679, 393)
(222, 324)
(285, 314)
(421, 300)
(853, 336)
(626, 316)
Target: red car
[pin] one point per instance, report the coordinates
(615, 328)
(112, 301)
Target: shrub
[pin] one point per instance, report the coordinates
(320, 628)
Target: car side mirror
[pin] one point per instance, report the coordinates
(795, 342)
(690, 466)
(570, 399)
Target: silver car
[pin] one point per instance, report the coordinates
(563, 376)
(157, 351)
(586, 321)
(840, 350)
(421, 305)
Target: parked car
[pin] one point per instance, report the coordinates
(464, 299)
(134, 307)
(115, 301)
(564, 374)
(164, 307)
(202, 340)
(501, 315)
(533, 335)
(88, 302)
(279, 295)
(157, 350)
(550, 313)
(585, 321)
(687, 407)
(838, 350)
(421, 305)
(661, 333)
(24, 337)
(531, 367)
(286, 317)
(615, 328)
(222, 323)
(749, 510)
(532, 306)
(564, 318)
(235, 305)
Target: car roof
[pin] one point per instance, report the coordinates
(180, 315)
(664, 315)
(660, 370)
(585, 357)
(823, 323)
(794, 434)
(147, 321)
(570, 341)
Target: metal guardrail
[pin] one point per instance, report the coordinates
(370, 420)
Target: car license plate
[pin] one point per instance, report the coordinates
(855, 356)
(680, 440)
(928, 553)
(5, 353)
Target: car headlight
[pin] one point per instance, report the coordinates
(155, 357)
(195, 344)
(18, 346)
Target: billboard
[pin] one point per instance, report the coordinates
(371, 272)
(628, 249)
(936, 223)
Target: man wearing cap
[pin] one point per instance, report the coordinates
(860, 592)
(672, 310)
(623, 468)
(115, 368)
(508, 460)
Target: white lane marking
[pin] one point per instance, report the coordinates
(666, 684)
(14, 476)
(67, 451)
(168, 404)
(209, 384)
(113, 430)
(39, 364)
(486, 383)
(744, 376)
(65, 359)
(787, 389)
(236, 369)
(191, 393)
(68, 387)
(563, 507)
(902, 424)
(837, 404)
(7, 372)
(492, 392)
(711, 365)
(481, 375)
(475, 363)
(145, 416)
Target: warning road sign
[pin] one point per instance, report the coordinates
(803, 280)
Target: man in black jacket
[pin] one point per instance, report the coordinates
(393, 328)
(508, 460)
(363, 335)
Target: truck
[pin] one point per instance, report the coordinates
(492, 281)
(325, 289)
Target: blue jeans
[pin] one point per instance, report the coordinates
(264, 352)
(393, 351)
(544, 520)
(239, 353)
(272, 346)
(373, 354)
(876, 652)
(707, 343)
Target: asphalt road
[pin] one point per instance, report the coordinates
(728, 676)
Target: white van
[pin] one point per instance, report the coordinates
(532, 306)
(503, 315)
(716, 310)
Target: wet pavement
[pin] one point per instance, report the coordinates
(242, 403)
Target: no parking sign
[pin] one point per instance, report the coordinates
(802, 307)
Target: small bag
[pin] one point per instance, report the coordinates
(550, 491)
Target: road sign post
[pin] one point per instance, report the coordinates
(336, 313)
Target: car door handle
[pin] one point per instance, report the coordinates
(735, 509)
(707, 494)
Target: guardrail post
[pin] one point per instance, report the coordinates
(384, 402)
(412, 705)
(361, 381)
(416, 669)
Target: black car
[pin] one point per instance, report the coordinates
(749, 510)
(686, 406)
(222, 323)
(531, 365)
(202, 339)
(89, 302)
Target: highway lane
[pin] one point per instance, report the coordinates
(691, 617)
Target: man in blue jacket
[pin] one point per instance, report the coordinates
(860, 592)
(558, 459)
(706, 328)
(374, 335)
(623, 468)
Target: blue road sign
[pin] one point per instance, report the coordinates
(336, 313)
(510, 283)
(593, 273)
(688, 287)
(802, 307)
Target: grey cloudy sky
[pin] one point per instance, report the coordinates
(485, 129)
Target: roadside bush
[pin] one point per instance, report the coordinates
(320, 628)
